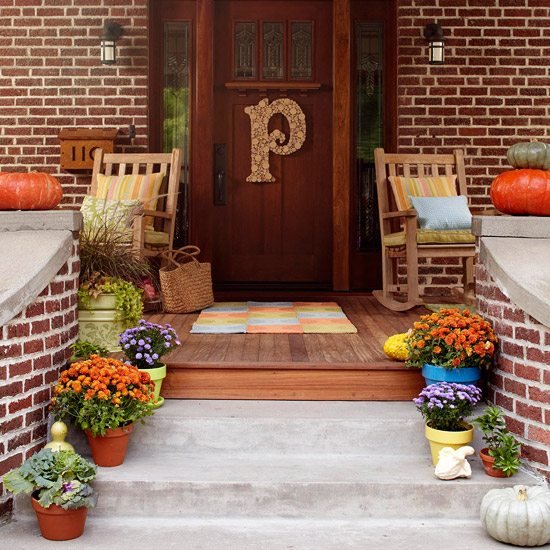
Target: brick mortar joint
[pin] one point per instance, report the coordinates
(515, 396)
(65, 329)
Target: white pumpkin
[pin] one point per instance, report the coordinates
(518, 515)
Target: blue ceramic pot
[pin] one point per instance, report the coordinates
(434, 374)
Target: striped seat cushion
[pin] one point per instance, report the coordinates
(134, 186)
(440, 186)
(429, 236)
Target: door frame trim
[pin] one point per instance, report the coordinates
(202, 143)
(341, 143)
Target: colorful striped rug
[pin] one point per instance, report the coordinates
(273, 317)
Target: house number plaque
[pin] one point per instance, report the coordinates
(263, 141)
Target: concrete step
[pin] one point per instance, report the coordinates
(280, 428)
(276, 427)
(236, 534)
(160, 484)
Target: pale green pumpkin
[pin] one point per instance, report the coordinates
(518, 515)
(533, 154)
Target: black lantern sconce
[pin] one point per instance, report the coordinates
(433, 33)
(112, 31)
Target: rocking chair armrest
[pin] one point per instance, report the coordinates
(157, 214)
(400, 214)
(138, 241)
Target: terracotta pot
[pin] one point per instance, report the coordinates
(58, 524)
(110, 449)
(488, 462)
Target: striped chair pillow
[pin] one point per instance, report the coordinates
(138, 186)
(440, 186)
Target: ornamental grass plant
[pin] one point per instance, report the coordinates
(102, 393)
(451, 339)
(145, 344)
(444, 406)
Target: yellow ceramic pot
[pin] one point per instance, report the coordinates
(440, 438)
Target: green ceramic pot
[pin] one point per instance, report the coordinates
(97, 324)
(158, 374)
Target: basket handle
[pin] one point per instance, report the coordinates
(172, 254)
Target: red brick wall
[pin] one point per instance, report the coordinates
(51, 78)
(492, 91)
(521, 383)
(33, 347)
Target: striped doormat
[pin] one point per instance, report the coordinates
(273, 317)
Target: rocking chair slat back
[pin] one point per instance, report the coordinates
(146, 164)
(395, 295)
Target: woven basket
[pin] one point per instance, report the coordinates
(185, 283)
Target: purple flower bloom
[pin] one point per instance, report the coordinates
(139, 355)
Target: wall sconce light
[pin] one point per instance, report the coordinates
(433, 33)
(112, 31)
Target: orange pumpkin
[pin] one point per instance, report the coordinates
(522, 192)
(29, 191)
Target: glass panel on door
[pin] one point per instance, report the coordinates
(176, 109)
(369, 130)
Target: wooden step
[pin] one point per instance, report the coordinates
(380, 381)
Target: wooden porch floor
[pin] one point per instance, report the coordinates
(293, 366)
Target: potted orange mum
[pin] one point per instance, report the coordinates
(451, 346)
(104, 397)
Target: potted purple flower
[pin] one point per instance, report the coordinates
(444, 407)
(145, 345)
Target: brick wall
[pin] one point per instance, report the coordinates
(492, 91)
(521, 383)
(51, 78)
(33, 347)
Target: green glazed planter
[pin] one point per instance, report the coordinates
(158, 374)
(98, 325)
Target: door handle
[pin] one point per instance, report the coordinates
(219, 188)
(220, 195)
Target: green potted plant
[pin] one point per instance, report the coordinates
(451, 346)
(109, 296)
(444, 407)
(104, 397)
(145, 345)
(501, 457)
(59, 483)
(82, 349)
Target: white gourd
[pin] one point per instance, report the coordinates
(518, 515)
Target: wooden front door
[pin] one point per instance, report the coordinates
(272, 233)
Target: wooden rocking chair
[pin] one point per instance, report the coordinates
(401, 239)
(153, 231)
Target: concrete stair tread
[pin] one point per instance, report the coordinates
(397, 411)
(250, 534)
(267, 468)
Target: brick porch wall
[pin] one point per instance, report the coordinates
(520, 384)
(492, 91)
(33, 347)
(51, 78)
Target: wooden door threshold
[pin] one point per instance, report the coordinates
(378, 381)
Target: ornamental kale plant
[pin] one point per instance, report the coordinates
(445, 405)
(145, 344)
(61, 477)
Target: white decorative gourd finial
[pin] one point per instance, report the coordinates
(453, 463)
